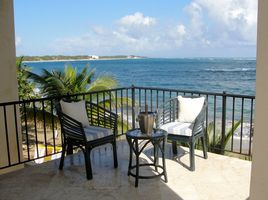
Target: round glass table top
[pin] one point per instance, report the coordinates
(137, 134)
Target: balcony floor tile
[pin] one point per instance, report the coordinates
(218, 177)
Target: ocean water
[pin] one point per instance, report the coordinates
(232, 75)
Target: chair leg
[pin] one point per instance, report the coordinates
(115, 154)
(174, 147)
(204, 144)
(62, 155)
(192, 158)
(156, 157)
(88, 163)
(69, 147)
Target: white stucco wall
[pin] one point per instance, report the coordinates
(8, 83)
(259, 174)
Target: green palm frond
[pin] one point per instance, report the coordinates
(214, 140)
(231, 132)
(103, 82)
(69, 81)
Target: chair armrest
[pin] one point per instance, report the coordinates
(71, 128)
(99, 116)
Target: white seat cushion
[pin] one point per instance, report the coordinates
(178, 128)
(76, 110)
(95, 132)
(189, 108)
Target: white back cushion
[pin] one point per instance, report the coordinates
(189, 108)
(76, 110)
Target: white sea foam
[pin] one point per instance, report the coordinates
(229, 70)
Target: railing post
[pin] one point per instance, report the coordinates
(133, 106)
(223, 122)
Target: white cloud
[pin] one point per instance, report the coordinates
(99, 30)
(135, 29)
(227, 21)
(194, 11)
(181, 29)
(93, 42)
(137, 19)
(211, 27)
(176, 35)
(131, 34)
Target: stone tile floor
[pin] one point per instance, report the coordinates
(217, 178)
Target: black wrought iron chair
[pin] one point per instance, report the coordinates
(101, 129)
(168, 118)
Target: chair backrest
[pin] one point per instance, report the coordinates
(99, 116)
(93, 115)
(169, 112)
(70, 127)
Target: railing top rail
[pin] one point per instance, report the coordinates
(197, 92)
(60, 96)
(126, 88)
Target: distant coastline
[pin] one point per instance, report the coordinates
(61, 58)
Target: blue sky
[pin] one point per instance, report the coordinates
(153, 28)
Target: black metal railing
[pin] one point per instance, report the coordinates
(226, 113)
(31, 130)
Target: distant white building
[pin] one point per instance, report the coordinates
(94, 57)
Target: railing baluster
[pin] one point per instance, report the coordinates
(223, 122)
(233, 114)
(206, 135)
(44, 125)
(127, 108)
(250, 127)
(133, 106)
(140, 98)
(16, 129)
(91, 115)
(145, 97)
(170, 108)
(104, 106)
(157, 103)
(110, 101)
(116, 110)
(110, 105)
(151, 98)
(98, 110)
(122, 112)
(26, 130)
(214, 122)
(7, 139)
(53, 125)
(90, 97)
(35, 131)
(242, 121)
(163, 100)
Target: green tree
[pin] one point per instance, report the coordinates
(70, 81)
(25, 86)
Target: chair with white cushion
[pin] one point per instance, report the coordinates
(183, 118)
(86, 125)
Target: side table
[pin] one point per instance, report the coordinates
(157, 138)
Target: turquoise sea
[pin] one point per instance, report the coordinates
(233, 75)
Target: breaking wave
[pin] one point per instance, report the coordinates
(230, 70)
